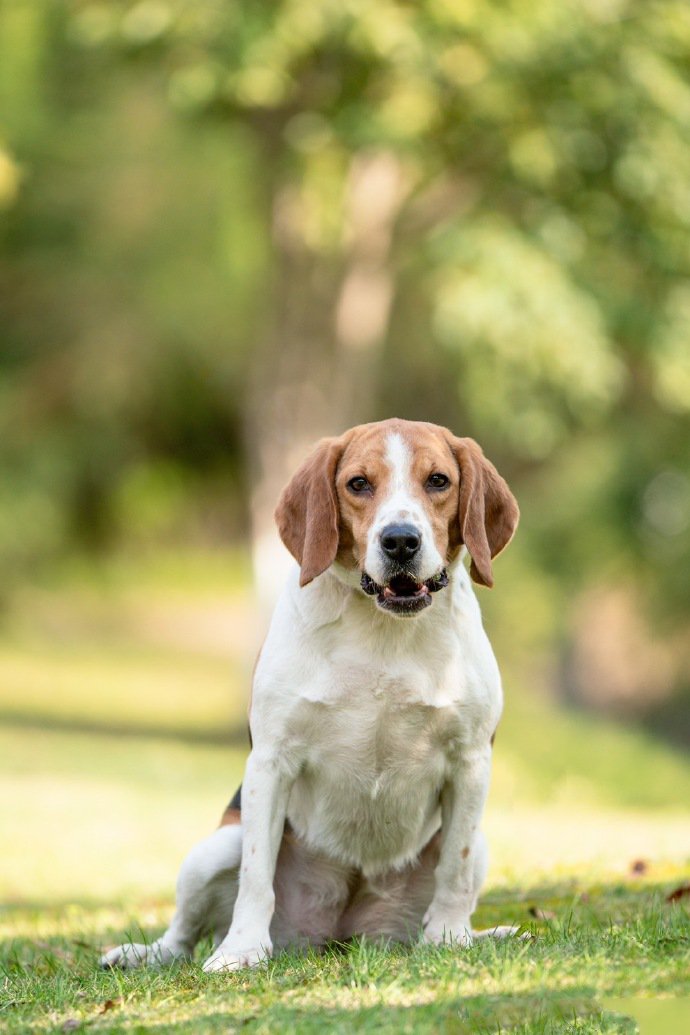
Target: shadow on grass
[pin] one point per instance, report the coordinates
(540, 907)
(475, 1015)
(224, 736)
(498, 905)
(611, 940)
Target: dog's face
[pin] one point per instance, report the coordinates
(398, 502)
(395, 501)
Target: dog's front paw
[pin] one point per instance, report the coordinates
(441, 931)
(505, 931)
(133, 955)
(228, 958)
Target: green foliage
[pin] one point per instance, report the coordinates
(536, 359)
(177, 180)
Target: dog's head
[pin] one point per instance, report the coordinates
(396, 501)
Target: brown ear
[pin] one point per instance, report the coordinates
(487, 511)
(307, 511)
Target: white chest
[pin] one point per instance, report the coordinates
(375, 759)
(371, 718)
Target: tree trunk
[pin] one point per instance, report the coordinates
(315, 374)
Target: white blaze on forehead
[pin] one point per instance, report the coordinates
(399, 463)
(401, 504)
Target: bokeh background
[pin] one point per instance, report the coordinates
(227, 228)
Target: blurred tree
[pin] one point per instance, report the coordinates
(471, 211)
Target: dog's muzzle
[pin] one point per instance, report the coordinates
(403, 595)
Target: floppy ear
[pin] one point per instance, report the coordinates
(487, 510)
(307, 511)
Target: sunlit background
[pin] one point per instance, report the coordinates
(228, 228)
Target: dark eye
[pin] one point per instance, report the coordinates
(359, 484)
(437, 481)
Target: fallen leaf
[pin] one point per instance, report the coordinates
(639, 867)
(680, 892)
(111, 1004)
(541, 914)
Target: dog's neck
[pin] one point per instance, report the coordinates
(336, 597)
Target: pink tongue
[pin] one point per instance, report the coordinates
(388, 593)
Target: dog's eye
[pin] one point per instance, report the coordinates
(358, 484)
(437, 481)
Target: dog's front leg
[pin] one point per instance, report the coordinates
(265, 791)
(462, 804)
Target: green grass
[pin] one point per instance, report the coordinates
(122, 708)
(160, 647)
(615, 942)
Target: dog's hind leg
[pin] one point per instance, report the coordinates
(206, 891)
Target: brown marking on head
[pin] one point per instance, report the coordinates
(465, 852)
(431, 455)
(365, 454)
(320, 519)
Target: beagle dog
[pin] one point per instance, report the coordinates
(375, 701)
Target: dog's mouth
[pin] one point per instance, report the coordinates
(403, 594)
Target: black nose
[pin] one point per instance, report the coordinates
(400, 542)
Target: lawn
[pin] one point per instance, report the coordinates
(614, 941)
(122, 697)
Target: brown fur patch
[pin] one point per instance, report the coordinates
(320, 519)
(307, 511)
(231, 817)
(488, 513)
(364, 454)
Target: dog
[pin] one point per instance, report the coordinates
(375, 702)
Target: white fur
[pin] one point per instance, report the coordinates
(369, 734)
(206, 889)
(400, 505)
